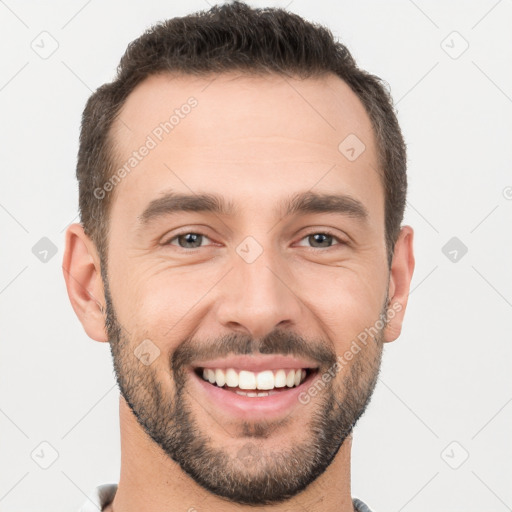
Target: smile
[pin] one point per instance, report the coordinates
(266, 382)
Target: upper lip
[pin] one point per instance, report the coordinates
(256, 363)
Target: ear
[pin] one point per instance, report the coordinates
(82, 273)
(402, 268)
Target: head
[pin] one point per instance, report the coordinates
(242, 185)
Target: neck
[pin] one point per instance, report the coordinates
(153, 482)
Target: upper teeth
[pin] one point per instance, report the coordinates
(244, 379)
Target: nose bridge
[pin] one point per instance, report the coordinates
(256, 297)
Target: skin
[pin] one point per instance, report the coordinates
(255, 141)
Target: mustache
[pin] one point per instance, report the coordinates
(276, 342)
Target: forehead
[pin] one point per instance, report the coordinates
(239, 134)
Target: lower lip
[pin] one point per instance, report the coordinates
(244, 407)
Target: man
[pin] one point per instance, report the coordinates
(242, 186)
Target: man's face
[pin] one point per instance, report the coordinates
(258, 288)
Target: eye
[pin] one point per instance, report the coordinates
(322, 240)
(189, 240)
(194, 240)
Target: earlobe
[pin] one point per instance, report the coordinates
(82, 273)
(402, 269)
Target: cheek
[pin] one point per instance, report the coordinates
(346, 299)
(159, 302)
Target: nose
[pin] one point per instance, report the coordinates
(257, 297)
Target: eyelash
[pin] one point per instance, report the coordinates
(323, 232)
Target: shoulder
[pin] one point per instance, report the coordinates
(99, 498)
(359, 506)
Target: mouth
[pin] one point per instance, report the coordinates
(249, 387)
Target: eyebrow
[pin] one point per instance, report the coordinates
(300, 203)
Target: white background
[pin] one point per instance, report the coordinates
(446, 379)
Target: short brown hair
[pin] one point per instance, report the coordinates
(234, 37)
